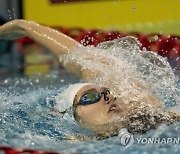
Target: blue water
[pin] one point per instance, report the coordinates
(28, 121)
(25, 121)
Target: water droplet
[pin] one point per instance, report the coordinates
(155, 37)
(5, 81)
(37, 80)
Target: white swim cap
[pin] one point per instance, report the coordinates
(65, 99)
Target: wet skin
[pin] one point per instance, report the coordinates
(109, 114)
(101, 112)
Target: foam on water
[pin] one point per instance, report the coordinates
(27, 119)
(118, 63)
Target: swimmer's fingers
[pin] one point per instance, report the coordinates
(10, 36)
(12, 30)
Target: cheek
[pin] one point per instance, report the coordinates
(95, 114)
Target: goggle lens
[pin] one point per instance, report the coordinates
(90, 98)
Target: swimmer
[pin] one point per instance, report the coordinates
(97, 106)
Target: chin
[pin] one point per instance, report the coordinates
(116, 116)
(104, 130)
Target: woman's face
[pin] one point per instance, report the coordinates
(106, 109)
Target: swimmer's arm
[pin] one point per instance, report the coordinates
(55, 41)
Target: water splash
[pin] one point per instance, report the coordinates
(123, 61)
(27, 121)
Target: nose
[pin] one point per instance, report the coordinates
(109, 98)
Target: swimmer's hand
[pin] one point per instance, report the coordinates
(12, 30)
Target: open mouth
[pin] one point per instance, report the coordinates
(112, 107)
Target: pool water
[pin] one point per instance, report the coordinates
(28, 121)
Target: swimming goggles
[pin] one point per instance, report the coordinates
(92, 97)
